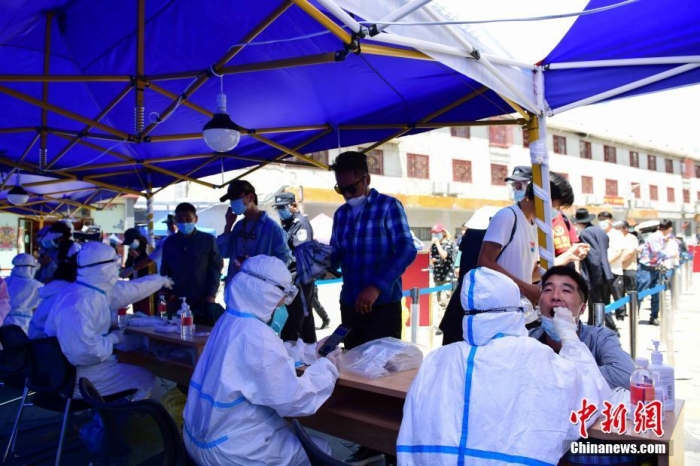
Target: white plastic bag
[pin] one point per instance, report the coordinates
(379, 358)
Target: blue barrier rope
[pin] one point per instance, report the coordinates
(650, 291)
(619, 303)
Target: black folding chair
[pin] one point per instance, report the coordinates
(317, 457)
(137, 433)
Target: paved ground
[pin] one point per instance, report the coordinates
(686, 343)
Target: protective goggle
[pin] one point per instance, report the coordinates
(290, 290)
(518, 185)
(474, 312)
(116, 260)
(349, 188)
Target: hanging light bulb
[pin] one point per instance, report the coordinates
(220, 133)
(17, 195)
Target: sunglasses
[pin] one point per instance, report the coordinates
(350, 188)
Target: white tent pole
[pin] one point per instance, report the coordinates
(345, 18)
(624, 62)
(625, 88)
(539, 158)
(439, 48)
(401, 13)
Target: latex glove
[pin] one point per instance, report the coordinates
(125, 273)
(116, 337)
(565, 325)
(334, 357)
(168, 283)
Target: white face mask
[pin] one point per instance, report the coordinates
(604, 224)
(356, 201)
(135, 244)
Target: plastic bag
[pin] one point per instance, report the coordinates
(379, 358)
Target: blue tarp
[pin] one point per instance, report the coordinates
(644, 29)
(98, 38)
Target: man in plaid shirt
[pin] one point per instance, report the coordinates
(373, 246)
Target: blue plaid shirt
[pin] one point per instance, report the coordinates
(373, 248)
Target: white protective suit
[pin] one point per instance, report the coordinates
(23, 291)
(245, 382)
(499, 397)
(81, 320)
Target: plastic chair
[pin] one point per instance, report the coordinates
(317, 457)
(14, 365)
(139, 432)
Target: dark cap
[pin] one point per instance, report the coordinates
(582, 216)
(283, 199)
(521, 173)
(236, 188)
(130, 235)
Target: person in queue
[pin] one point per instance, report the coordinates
(256, 234)
(488, 403)
(55, 246)
(564, 287)
(23, 290)
(65, 274)
(245, 383)
(192, 259)
(156, 256)
(137, 244)
(81, 319)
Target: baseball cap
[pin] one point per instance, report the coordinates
(283, 199)
(236, 188)
(130, 235)
(521, 173)
(437, 228)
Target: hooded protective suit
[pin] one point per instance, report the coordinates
(245, 381)
(81, 320)
(48, 294)
(23, 291)
(4, 301)
(502, 398)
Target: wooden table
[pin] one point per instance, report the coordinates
(178, 370)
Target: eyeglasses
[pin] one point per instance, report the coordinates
(518, 185)
(350, 188)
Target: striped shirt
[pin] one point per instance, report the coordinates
(373, 248)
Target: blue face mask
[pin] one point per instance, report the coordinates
(548, 326)
(238, 206)
(185, 228)
(518, 195)
(279, 318)
(285, 214)
(554, 212)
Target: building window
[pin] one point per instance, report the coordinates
(587, 184)
(422, 233)
(669, 165)
(499, 136)
(462, 171)
(498, 174)
(418, 166)
(611, 188)
(321, 156)
(636, 189)
(585, 149)
(610, 154)
(526, 137)
(697, 171)
(460, 132)
(634, 159)
(651, 162)
(698, 196)
(670, 195)
(559, 145)
(653, 192)
(375, 161)
(686, 196)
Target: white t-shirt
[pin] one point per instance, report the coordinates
(520, 255)
(630, 242)
(616, 244)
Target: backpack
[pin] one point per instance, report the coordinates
(451, 324)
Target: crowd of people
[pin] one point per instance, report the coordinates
(245, 382)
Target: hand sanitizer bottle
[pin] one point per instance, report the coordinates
(666, 374)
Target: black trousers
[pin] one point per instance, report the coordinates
(629, 278)
(316, 305)
(298, 325)
(383, 321)
(617, 288)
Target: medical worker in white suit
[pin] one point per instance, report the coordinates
(81, 321)
(499, 397)
(23, 291)
(245, 382)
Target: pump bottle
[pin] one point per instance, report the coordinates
(666, 375)
(186, 320)
(641, 384)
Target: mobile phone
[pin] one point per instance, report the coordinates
(334, 340)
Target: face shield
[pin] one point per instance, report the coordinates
(290, 291)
